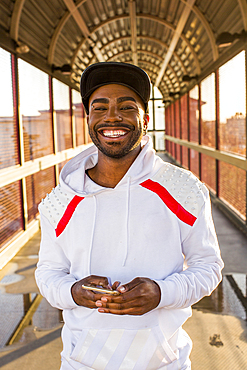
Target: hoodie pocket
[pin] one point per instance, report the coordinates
(123, 349)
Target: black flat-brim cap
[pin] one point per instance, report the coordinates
(105, 73)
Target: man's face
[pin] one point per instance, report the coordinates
(115, 120)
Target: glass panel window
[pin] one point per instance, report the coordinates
(194, 162)
(159, 115)
(62, 115)
(150, 112)
(159, 141)
(159, 110)
(208, 172)
(9, 152)
(10, 211)
(185, 157)
(62, 164)
(168, 120)
(194, 113)
(178, 153)
(38, 185)
(232, 187)
(156, 114)
(184, 117)
(79, 116)
(208, 111)
(168, 127)
(177, 119)
(35, 111)
(172, 130)
(232, 101)
(184, 128)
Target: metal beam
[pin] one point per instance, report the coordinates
(243, 8)
(132, 13)
(178, 32)
(15, 19)
(209, 31)
(56, 35)
(73, 9)
(185, 40)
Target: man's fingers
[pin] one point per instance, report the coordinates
(129, 286)
(119, 306)
(95, 280)
(115, 285)
(127, 311)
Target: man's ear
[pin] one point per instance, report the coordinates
(87, 118)
(145, 121)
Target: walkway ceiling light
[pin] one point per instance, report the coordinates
(174, 94)
(187, 78)
(21, 48)
(65, 69)
(226, 38)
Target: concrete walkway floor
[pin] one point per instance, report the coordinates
(218, 325)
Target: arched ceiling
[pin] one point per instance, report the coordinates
(167, 38)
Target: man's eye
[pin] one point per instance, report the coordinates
(100, 108)
(127, 107)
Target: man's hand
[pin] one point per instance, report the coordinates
(88, 298)
(139, 296)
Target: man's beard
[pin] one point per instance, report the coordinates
(111, 149)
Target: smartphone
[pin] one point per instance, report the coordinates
(101, 290)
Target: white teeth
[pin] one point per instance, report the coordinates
(113, 133)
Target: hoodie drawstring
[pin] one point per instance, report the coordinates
(127, 222)
(92, 237)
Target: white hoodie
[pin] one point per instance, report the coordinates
(155, 223)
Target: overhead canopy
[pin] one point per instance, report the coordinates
(168, 39)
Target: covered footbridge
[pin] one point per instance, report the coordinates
(195, 54)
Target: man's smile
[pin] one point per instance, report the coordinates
(113, 133)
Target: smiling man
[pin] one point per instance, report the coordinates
(124, 221)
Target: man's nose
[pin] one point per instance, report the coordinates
(112, 114)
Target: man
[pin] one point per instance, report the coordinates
(124, 220)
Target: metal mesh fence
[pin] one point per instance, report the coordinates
(11, 221)
(198, 126)
(232, 187)
(38, 185)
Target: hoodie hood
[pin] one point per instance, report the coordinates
(73, 176)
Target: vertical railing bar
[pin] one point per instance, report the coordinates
(188, 126)
(15, 77)
(54, 127)
(199, 130)
(217, 137)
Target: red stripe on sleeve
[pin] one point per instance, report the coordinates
(171, 203)
(68, 214)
